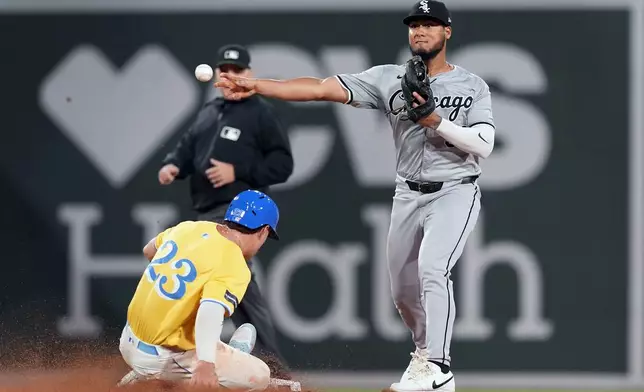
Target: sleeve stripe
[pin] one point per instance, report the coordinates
(482, 122)
(346, 88)
(232, 298)
(228, 309)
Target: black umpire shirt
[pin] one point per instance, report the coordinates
(246, 134)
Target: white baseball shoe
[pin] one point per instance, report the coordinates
(244, 338)
(424, 376)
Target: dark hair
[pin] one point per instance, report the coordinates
(240, 228)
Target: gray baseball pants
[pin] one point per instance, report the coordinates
(426, 237)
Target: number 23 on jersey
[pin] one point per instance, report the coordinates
(168, 275)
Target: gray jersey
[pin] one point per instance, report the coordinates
(421, 154)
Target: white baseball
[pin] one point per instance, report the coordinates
(203, 72)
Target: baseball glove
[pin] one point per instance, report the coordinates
(416, 80)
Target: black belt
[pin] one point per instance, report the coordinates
(431, 187)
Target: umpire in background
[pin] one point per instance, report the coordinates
(233, 146)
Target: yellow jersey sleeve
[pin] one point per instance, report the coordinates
(159, 239)
(228, 288)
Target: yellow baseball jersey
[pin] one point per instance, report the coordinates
(193, 263)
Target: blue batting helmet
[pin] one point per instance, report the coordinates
(254, 209)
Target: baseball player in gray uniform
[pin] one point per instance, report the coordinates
(437, 198)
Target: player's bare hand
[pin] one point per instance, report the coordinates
(431, 120)
(220, 173)
(238, 86)
(420, 100)
(167, 174)
(204, 376)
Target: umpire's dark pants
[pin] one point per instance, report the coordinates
(253, 309)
